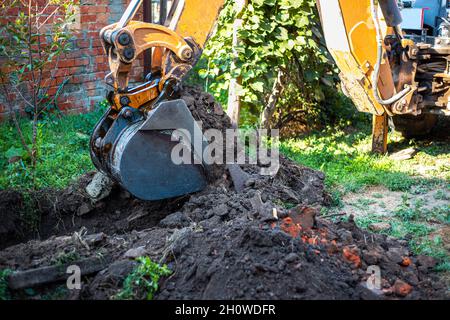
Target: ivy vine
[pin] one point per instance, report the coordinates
(275, 35)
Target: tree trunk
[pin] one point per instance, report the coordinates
(272, 101)
(234, 102)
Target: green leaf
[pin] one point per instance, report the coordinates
(203, 73)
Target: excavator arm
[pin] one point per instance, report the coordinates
(132, 143)
(352, 35)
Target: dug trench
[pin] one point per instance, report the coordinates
(267, 241)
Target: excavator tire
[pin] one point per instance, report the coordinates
(413, 126)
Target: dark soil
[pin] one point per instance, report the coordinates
(220, 244)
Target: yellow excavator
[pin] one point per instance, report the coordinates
(394, 75)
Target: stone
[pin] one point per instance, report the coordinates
(100, 187)
(221, 210)
(380, 226)
(265, 211)
(218, 110)
(373, 256)
(119, 270)
(95, 239)
(210, 223)
(190, 100)
(352, 255)
(395, 255)
(404, 154)
(345, 236)
(304, 216)
(84, 209)
(250, 182)
(135, 253)
(291, 257)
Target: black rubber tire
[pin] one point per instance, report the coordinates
(413, 126)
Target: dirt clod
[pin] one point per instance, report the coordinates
(401, 288)
(380, 226)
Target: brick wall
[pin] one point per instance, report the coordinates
(86, 65)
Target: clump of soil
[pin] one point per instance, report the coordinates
(219, 243)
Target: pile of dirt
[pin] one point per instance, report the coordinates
(219, 243)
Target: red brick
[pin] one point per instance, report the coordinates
(61, 72)
(66, 63)
(52, 91)
(82, 44)
(78, 79)
(93, 27)
(101, 59)
(74, 54)
(86, 18)
(102, 19)
(81, 62)
(93, 34)
(96, 43)
(102, 67)
(85, 9)
(64, 106)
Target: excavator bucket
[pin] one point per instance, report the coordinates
(139, 155)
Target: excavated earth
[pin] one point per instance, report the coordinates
(219, 244)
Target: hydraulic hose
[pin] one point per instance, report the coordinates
(376, 72)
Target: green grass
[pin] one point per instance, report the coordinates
(143, 281)
(63, 151)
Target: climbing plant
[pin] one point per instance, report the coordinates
(281, 54)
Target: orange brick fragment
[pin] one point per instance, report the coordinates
(351, 256)
(406, 262)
